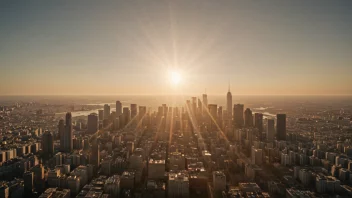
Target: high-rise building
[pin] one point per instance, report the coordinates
(219, 181)
(270, 130)
(118, 108)
(248, 118)
(220, 113)
(281, 127)
(127, 115)
(238, 119)
(95, 157)
(61, 132)
(194, 105)
(257, 156)
(93, 123)
(28, 178)
(106, 111)
(229, 104)
(133, 110)
(101, 114)
(205, 103)
(213, 110)
(68, 136)
(178, 185)
(48, 144)
(258, 123)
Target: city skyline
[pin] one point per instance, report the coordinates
(124, 48)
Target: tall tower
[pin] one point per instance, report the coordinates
(106, 111)
(205, 103)
(258, 123)
(281, 127)
(68, 136)
(238, 119)
(133, 110)
(118, 108)
(93, 123)
(229, 104)
(62, 130)
(248, 118)
(48, 144)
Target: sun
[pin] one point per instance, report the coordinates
(175, 77)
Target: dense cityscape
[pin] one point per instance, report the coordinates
(176, 99)
(194, 150)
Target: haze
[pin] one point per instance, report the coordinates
(128, 47)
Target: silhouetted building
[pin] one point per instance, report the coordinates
(238, 119)
(270, 131)
(248, 118)
(68, 136)
(229, 104)
(101, 114)
(118, 108)
(48, 144)
(258, 123)
(106, 111)
(95, 155)
(133, 110)
(127, 115)
(93, 123)
(62, 131)
(281, 127)
(28, 178)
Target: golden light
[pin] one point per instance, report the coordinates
(175, 77)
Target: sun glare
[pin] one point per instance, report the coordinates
(175, 77)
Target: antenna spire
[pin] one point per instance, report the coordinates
(229, 86)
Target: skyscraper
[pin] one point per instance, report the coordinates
(95, 157)
(213, 110)
(62, 130)
(48, 144)
(106, 111)
(126, 115)
(238, 119)
(101, 114)
(270, 130)
(68, 136)
(205, 102)
(281, 127)
(248, 118)
(258, 123)
(28, 178)
(229, 105)
(93, 123)
(118, 108)
(133, 110)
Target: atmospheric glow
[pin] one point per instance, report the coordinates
(175, 77)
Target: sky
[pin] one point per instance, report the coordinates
(131, 47)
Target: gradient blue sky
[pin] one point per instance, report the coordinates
(128, 47)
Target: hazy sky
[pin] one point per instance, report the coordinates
(129, 47)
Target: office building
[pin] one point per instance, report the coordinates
(101, 114)
(61, 132)
(248, 118)
(270, 131)
(68, 135)
(127, 115)
(133, 110)
(93, 123)
(48, 144)
(95, 155)
(118, 108)
(28, 178)
(281, 127)
(178, 185)
(229, 104)
(219, 181)
(238, 119)
(258, 123)
(106, 111)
